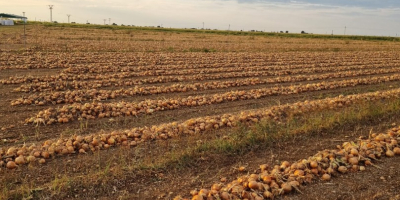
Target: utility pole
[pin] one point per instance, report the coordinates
(109, 21)
(24, 29)
(68, 17)
(51, 13)
(105, 21)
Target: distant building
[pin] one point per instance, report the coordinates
(6, 19)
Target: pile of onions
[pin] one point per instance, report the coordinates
(57, 85)
(189, 74)
(134, 136)
(100, 110)
(287, 177)
(94, 94)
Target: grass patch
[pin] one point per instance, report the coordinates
(261, 135)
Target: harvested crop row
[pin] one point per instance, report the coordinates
(94, 142)
(34, 59)
(217, 73)
(287, 177)
(63, 85)
(96, 69)
(77, 96)
(101, 110)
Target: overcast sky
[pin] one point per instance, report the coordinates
(360, 17)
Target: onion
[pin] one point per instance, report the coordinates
(286, 187)
(194, 192)
(265, 167)
(20, 160)
(216, 187)
(326, 177)
(31, 159)
(20, 152)
(45, 154)
(299, 172)
(254, 185)
(203, 192)
(198, 197)
(268, 195)
(11, 165)
(330, 170)
(225, 196)
(285, 164)
(396, 150)
(111, 141)
(36, 154)
(267, 179)
(367, 162)
(389, 153)
(42, 161)
(354, 152)
(353, 161)
(342, 169)
(11, 151)
(314, 171)
(313, 164)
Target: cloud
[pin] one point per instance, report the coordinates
(374, 4)
(364, 17)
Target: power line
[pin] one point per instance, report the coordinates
(51, 13)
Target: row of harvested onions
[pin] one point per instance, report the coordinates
(192, 74)
(199, 68)
(132, 137)
(76, 96)
(33, 59)
(270, 182)
(94, 110)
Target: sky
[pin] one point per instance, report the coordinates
(350, 17)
